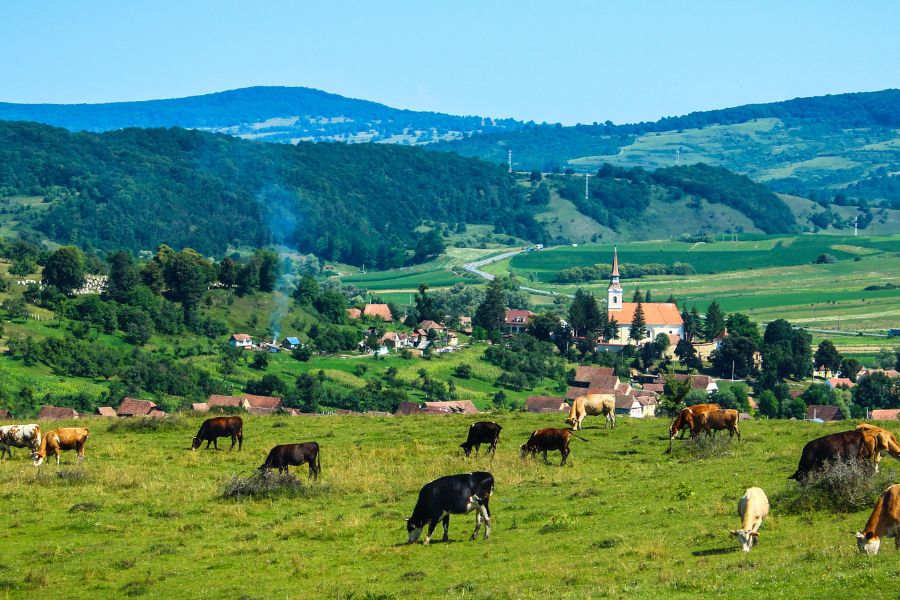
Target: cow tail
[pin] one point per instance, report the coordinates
(318, 461)
(574, 435)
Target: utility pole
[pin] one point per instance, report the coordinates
(509, 159)
(678, 156)
(586, 177)
(732, 371)
(856, 226)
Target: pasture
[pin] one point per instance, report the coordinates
(143, 516)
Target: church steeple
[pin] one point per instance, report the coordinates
(614, 293)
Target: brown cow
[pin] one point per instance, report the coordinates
(216, 427)
(685, 419)
(57, 440)
(716, 420)
(844, 445)
(546, 439)
(285, 455)
(879, 440)
(883, 522)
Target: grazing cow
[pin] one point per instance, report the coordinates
(593, 405)
(483, 432)
(685, 419)
(452, 495)
(842, 445)
(715, 420)
(547, 439)
(883, 522)
(20, 436)
(64, 438)
(879, 440)
(753, 507)
(216, 427)
(285, 455)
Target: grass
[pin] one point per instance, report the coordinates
(623, 519)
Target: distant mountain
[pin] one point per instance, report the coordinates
(272, 114)
(828, 145)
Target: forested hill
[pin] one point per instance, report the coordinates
(138, 188)
(275, 114)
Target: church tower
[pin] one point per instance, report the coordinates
(614, 293)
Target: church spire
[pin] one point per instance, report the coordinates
(614, 293)
(615, 269)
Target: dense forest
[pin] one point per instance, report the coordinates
(138, 188)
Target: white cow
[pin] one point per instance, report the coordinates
(20, 436)
(753, 507)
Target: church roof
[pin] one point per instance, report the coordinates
(615, 266)
(655, 313)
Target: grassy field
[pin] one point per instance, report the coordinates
(144, 517)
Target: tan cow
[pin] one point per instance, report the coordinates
(878, 441)
(593, 405)
(685, 419)
(57, 440)
(753, 507)
(717, 420)
(883, 522)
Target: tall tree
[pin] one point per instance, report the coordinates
(714, 323)
(425, 307)
(584, 313)
(827, 356)
(187, 276)
(637, 297)
(123, 276)
(740, 324)
(638, 329)
(65, 269)
(269, 270)
(227, 272)
(492, 310)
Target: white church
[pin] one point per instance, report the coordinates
(659, 317)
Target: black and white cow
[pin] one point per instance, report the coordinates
(452, 495)
(483, 432)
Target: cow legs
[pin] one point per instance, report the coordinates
(565, 454)
(431, 526)
(483, 514)
(233, 442)
(446, 523)
(477, 449)
(545, 457)
(240, 438)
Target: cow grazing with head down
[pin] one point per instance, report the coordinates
(753, 507)
(593, 405)
(717, 420)
(547, 439)
(216, 427)
(293, 455)
(844, 445)
(685, 419)
(879, 440)
(452, 495)
(483, 432)
(19, 436)
(56, 441)
(883, 522)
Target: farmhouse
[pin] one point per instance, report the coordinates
(380, 311)
(659, 317)
(241, 340)
(584, 375)
(542, 404)
(837, 382)
(515, 321)
(57, 412)
(131, 407)
(289, 343)
(823, 412)
(257, 405)
(437, 408)
(698, 382)
(106, 411)
(886, 414)
(354, 313)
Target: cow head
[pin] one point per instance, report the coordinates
(38, 457)
(571, 421)
(747, 538)
(887, 441)
(466, 448)
(867, 543)
(195, 443)
(414, 529)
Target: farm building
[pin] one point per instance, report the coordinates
(240, 340)
(437, 408)
(258, 405)
(546, 404)
(698, 382)
(838, 382)
(57, 412)
(289, 343)
(131, 407)
(381, 311)
(200, 407)
(515, 321)
(823, 412)
(584, 375)
(106, 411)
(886, 414)
(353, 313)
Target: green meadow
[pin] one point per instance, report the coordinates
(144, 516)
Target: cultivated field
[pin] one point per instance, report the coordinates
(144, 516)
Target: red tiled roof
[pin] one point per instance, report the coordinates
(156, 413)
(824, 412)
(659, 388)
(795, 393)
(378, 310)
(253, 410)
(515, 316)
(545, 404)
(408, 408)
(698, 382)
(655, 313)
(131, 407)
(886, 414)
(242, 337)
(428, 324)
(453, 406)
(624, 401)
(57, 412)
(215, 400)
(354, 313)
(106, 411)
(200, 407)
(836, 382)
(574, 392)
(586, 374)
(270, 402)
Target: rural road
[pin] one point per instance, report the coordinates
(474, 268)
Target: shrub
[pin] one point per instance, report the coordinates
(706, 446)
(843, 485)
(147, 424)
(268, 484)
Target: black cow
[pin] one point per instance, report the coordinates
(452, 495)
(483, 432)
(217, 427)
(843, 445)
(285, 455)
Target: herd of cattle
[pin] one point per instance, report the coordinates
(462, 494)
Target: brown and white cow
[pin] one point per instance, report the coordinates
(19, 436)
(685, 419)
(878, 441)
(883, 522)
(753, 507)
(64, 438)
(717, 420)
(593, 405)
(547, 439)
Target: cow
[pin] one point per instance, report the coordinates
(285, 455)
(883, 522)
(879, 440)
(547, 439)
(715, 420)
(212, 429)
(19, 436)
(483, 432)
(64, 438)
(452, 495)
(845, 445)
(593, 405)
(685, 419)
(753, 507)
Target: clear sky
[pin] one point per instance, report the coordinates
(555, 61)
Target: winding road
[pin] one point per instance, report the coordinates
(475, 269)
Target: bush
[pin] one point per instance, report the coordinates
(268, 484)
(843, 485)
(147, 424)
(705, 446)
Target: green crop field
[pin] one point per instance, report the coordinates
(401, 279)
(144, 516)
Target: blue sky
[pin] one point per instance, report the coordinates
(547, 61)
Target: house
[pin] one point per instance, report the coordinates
(156, 413)
(648, 405)
(886, 414)
(453, 406)
(628, 406)
(354, 313)
(289, 343)
(546, 404)
(584, 375)
(698, 382)
(57, 412)
(515, 321)
(200, 407)
(465, 325)
(408, 408)
(261, 405)
(658, 388)
(823, 412)
(381, 311)
(602, 385)
(889, 373)
(131, 407)
(240, 340)
(216, 401)
(836, 382)
(427, 325)
(106, 411)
